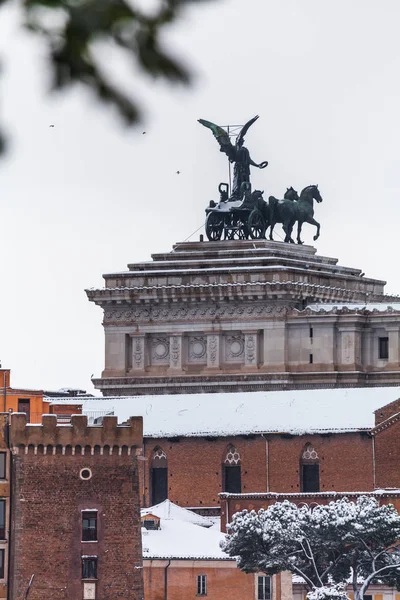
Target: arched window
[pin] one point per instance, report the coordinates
(309, 469)
(232, 479)
(159, 476)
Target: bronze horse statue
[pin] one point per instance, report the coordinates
(279, 212)
(292, 209)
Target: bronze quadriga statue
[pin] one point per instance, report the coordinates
(245, 214)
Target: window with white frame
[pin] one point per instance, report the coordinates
(263, 587)
(202, 585)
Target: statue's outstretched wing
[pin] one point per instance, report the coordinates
(222, 138)
(245, 128)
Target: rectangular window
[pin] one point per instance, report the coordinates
(311, 359)
(202, 585)
(89, 568)
(311, 333)
(233, 479)
(24, 405)
(2, 558)
(159, 484)
(310, 478)
(3, 465)
(383, 348)
(264, 588)
(89, 527)
(2, 519)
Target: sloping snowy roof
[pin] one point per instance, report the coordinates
(296, 412)
(179, 537)
(172, 512)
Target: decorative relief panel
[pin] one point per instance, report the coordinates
(160, 351)
(213, 351)
(197, 349)
(251, 350)
(234, 348)
(175, 359)
(138, 350)
(228, 311)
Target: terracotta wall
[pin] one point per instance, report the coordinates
(224, 580)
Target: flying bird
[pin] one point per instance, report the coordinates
(51, 125)
(143, 132)
(178, 172)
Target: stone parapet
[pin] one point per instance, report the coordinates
(76, 438)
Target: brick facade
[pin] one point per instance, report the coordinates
(49, 495)
(224, 580)
(268, 463)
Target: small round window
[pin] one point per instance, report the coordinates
(85, 474)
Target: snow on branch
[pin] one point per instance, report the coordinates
(327, 546)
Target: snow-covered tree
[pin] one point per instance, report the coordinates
(328, 546)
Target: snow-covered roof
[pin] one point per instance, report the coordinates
(181, 536)
(227, 414)
(378, 306)
(172, 512)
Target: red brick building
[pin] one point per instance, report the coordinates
(75, 509)
(197, 446)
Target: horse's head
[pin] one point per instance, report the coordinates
(311, 191)
(291, 194)
(258, 194)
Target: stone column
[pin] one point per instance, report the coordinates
(349, 358)
(275, 346)
(213, 351)
(138, 352)
(251, 349)
(393, 334)
(175, 353)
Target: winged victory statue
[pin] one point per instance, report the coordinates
(237, 153)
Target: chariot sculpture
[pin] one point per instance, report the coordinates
(244, 214)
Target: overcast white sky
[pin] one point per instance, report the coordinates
(88, 196)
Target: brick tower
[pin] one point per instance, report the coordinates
(76, 521)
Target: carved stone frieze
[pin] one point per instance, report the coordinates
(208, 312)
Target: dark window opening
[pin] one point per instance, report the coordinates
(3, 465)
(232, 479)
(89, 568)
(2, 557)
(311, 333)
(311, 359)
(383, 348)
(202, 585)
(24, 406)
(149, 524)
(89, 527)
(264, 588)
(159, 485)
(2, 519)
(310, 478)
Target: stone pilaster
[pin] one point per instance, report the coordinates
(175, 353)
(251, 349)
(349, 358)
(275, 346)
(394, 347)
(213, 351)
(138, 352)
